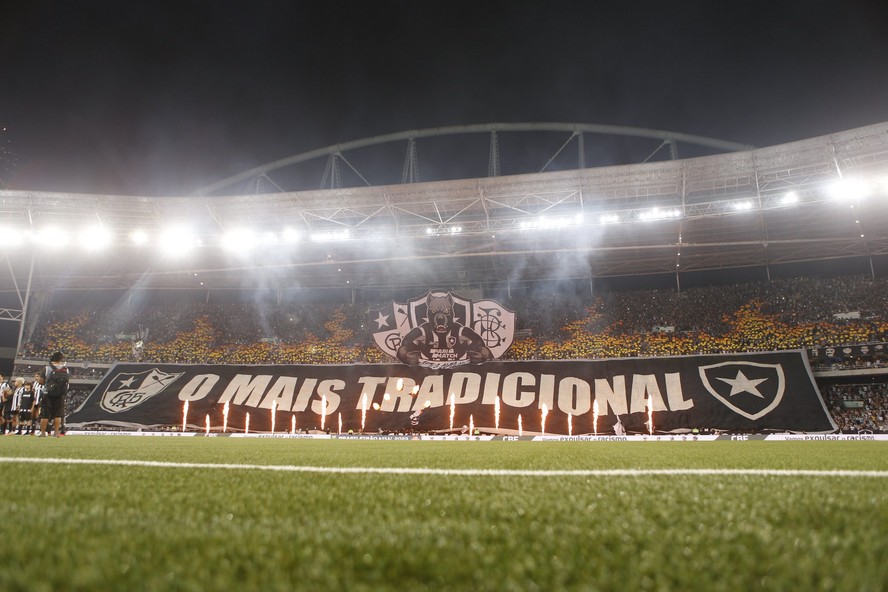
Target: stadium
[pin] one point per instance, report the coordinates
(678, 362)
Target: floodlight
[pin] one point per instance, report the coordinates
(177, 241)
(52, 237)
(330, 235)
(609, 219)
(658, 214)
(789, 198)
(139, 237)
(742, 206)
(290, 235)
(238, 240)
(94, 238)
(848, 188)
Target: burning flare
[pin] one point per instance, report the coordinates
(323, 411)
(340, 424)
(452, 409)
(274, 407)
(471, 425)
(595, 416)
(293, 424)
(650, 421)
(545, 412)
(184, 415)
(496, 412)
(570, 425)
(415, 390)
(225, 417)
(247, 424)
(363, 412)
(520, 427)
(208, 424)
(399, 384)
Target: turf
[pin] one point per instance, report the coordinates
(93, 527)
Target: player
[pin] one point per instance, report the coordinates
(26, 410)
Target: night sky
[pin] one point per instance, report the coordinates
(160, 98)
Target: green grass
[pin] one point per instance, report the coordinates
(87, 527)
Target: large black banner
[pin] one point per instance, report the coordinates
(755, 392)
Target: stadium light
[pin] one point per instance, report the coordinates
(95, 238)
(238, 240)
(789, 198)
(742, 206)
(139, 237)
(177, 241)
(290, 235)
(11, 239)
(609, 219)
(330, 235)
(848, 188)
(52, 237)
(658, 214)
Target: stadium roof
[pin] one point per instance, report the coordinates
(821, 198)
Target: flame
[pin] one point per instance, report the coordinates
(323, 411)
(471, 425)
(247, 424)
(452, 409)
(427, 404)
(650, 420)
(340, 423)
(225, 417)
(375, 406)
(386, 397)
(520, 427)
(293, 424)
(570, 425)
(208, 424)
(544, 414)
(363, 412)
(274, 406)
(399, 384)
(415, 390)
(595, 416)
(496, 412)
(184, 415)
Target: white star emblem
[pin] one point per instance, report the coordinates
(128, 382)
(382, 320)
(741, 384)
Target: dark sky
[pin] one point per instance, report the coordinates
(160, 98)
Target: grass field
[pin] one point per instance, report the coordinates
(102, 527)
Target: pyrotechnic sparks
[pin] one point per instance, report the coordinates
(595, 416)
(184, 415)
(274, 407)
(544, 413)
(340, 424)
(375, 406)
(386, 397)
(247, 424)
(650, 421)
(427, 404)
(496, 412)
(323, 411)
(471, 425)
(208, 424)
(363, 412)
(225, 417)
(415, 390)
(570, 426)
(399, 384)
(520, 427)
(452, 409)
(293, 424)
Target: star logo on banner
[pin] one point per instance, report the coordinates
(382, 320)
(742, 384)
(128, 382)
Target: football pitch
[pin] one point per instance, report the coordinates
(115, 512)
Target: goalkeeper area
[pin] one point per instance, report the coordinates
(108, 512)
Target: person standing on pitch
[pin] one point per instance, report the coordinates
(55, 388)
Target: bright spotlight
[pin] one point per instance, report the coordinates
(609, 219)
(95, 238)
(789, 198)
(52, 237)
(290, 235)
(848, 189)
(11, 239)
(239, 240)
(330, 235)
(742, 206)
(658, 214)
(177, 241)
(139, 237)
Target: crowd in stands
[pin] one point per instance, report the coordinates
(858, 407)
(764, 316)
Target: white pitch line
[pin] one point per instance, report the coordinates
(454, 472)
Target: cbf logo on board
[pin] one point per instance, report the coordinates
(441, 330)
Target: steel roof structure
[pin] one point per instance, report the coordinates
(754, 207)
